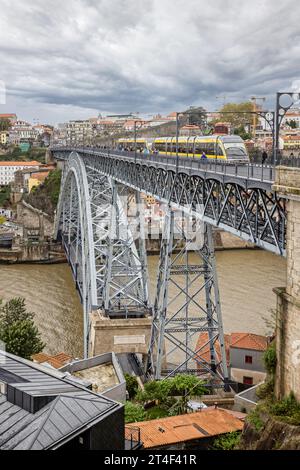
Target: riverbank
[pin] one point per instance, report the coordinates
(52, 253)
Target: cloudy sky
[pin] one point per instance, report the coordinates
(75, 58)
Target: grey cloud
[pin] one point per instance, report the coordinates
(153, 55)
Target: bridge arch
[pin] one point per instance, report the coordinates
(109, 270)
(74, 224)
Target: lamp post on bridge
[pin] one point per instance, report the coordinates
(177, 142)
(135, 138)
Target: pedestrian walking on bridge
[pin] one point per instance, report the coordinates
(264, 157)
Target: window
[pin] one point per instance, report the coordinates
(210, 149)
(248, 359)
(248, 381)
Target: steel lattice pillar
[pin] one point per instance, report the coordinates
(108, 264)
(187, 303)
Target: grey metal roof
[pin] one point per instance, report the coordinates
(72, 409)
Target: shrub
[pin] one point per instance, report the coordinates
(227, 442)
(266, 390)
(287, 410)
(270, 359)
(134, 413)
(132, 385)
(255, 419)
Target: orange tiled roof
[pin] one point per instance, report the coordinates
(41, 357)
(57, 361)
(291, 137)
(234, 340)
(41, 176)
(204, 352)
(207, 423)
(249, 341)
(64, 358)
(33, 163)
(7, 116)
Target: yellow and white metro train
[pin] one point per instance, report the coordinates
(230, 148)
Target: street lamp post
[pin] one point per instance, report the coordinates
(177, 142)
(135, 142)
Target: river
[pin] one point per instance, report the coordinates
(246, 280)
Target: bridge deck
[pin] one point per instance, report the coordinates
(248, 175)
(237, 198)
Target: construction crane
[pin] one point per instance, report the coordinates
(254, 99)
(223, 97)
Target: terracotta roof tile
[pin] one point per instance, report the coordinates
(41, 357)
(207, 423)
(204, 350)
(249, 341)
(63, 358)
(20, 163)
(57, 361)
(235, 340)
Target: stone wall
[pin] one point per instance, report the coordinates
(121, 336)
(32, 218)
(288, 299)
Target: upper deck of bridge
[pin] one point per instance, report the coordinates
(246, 175)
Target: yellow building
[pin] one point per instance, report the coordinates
(36, 180)
(4, 137)
(291, 142)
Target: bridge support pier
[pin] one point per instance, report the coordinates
(187, 304)
(123, 336)
(287, 184)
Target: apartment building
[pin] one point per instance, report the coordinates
(9, 169)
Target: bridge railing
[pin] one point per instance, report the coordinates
(250, 171)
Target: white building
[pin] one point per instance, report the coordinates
(8, 170)
(292, 115)
(22, 131)
(79, 132)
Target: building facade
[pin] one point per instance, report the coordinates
(9, 169)
(244, 353)
(22, 131)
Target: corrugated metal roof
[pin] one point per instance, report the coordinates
(207, 423)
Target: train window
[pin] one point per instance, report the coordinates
(198, 148)
(191, 147)
(210, 149)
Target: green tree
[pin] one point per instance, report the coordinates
(5, 124)
(132, 385)
(134, 413)
(292, 124)
(184, 384)
(237, 114)
(18, 331)
(241, 131)
(165, 392)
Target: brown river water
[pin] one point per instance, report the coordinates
(246, 280)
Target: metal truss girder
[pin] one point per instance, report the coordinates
(226, 203)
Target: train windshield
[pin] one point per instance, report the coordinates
(235, 150)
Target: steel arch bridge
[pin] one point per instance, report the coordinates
(108, 266)
(109, 261)
(240, 200)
